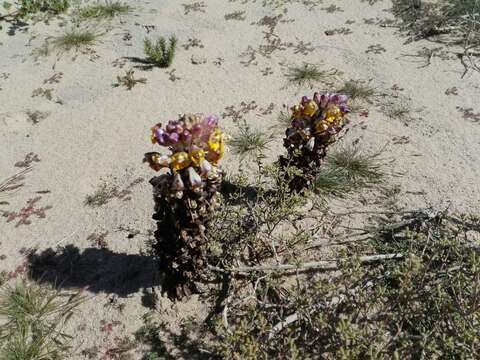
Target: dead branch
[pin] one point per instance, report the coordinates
(313, 265)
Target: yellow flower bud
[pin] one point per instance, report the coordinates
(296, 111)
(196, 156)
(216, 144)
(321, 126)
(180, 160)
(310, 108)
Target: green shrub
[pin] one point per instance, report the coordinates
(422, 306)
(108, 10)
(159, 53)
(49, 6)
(33, 318)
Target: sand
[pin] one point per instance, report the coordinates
(93, 132)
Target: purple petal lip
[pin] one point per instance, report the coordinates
(179, 129)
(173, 138)
(171, 126)
(211, 121)
(186, 136)
(196, 129)
(159, 133)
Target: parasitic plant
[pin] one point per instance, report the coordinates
(186, 195)
(315, 124)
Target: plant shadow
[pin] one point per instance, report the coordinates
(97, 270)
(16, 25)
(234, 193)
(142, 64)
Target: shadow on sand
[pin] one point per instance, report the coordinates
(98, 270)
(141, 64)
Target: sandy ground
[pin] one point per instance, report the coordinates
(93, 132)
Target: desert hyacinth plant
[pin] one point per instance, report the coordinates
(315, 124)
(185, 197)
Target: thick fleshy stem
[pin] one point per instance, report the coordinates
(180, 236)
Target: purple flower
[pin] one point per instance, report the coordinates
(159, 134)
(173, 138)
(324, 99)
(171, 126)
(344, 108)
(342, 99)
(186, 136)
(197, 130)
(212, 121)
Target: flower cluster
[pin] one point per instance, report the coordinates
(323, 116)
(196, 144)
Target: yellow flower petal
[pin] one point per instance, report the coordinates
(310, 108)
(197, 156)
(180, 160)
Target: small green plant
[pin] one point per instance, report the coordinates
(34, 319)
(149, 334)
(399, 109)
(107, 191)
(348, 169)
(236, 15)
(47, 6)
(248, 142)
(128, 80)
(311, 75)
(358, 91)
(332, 181)
(36, 116)
(107, 10)
(360, 168)
(159, 53)
(455, 20)
(75, 39)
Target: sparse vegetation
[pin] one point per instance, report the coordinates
(36, 116)
(26, 8)
(236, 15)
(358, 91)
(47, 6)
(347, 169)
(159, 53)
(75, 39)
(311, 75)
(248, 142)
(108, 190)
(197, 6)
(128, 80)
(34, 319)
(399, 109)
(456, 20)
(107, 10)
(422, 304)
